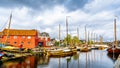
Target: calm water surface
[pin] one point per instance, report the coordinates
(92, 59)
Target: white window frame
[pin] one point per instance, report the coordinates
(15, 37)
(23, 36)
(29, 37)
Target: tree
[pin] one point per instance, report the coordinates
(68, 39)
(76, 40)
(56, 43)
(72, 41)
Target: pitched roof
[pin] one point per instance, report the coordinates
(19, 32)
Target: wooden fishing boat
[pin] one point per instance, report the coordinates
(84, 49)
(55, 52)
(115, 48)
(78, 48)
(73, 49)
(67, 52)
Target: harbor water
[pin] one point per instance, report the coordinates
(91, 59)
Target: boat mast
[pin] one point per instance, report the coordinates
(59, 34)
(115, 38)
(88, 37)
(85, 35)
(8, 28)
(94, 39)
(91, 37)
(101, 40)
(78, 33)
(66, 30)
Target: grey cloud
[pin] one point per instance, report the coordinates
(75, 4)
(44, 4)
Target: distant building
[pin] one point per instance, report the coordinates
(28, 38)
(52, 41)
(44, 39)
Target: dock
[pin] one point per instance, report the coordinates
(117, 63)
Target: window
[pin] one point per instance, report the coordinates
(8, 42)
(0, 36)
(44, 35)
(8, 36)
(15, 42)
(46, 38)
(22, 42)
(15, 37)
(23, 36)
(28, 42)
(29, 37)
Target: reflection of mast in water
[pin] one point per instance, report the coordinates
(89, 59)
(92, 58)
(86, 60)
(78, 61)
(59, 63)
(113, 52)
(101, 54)
(94, 50)
(68, 60)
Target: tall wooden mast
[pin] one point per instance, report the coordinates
(101, 40)
(85, 35)
(7, 35)
(115, 38)
(59, 34)
(66, 31)
(78, 33)
(88, 37)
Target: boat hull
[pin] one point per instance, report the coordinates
(114, 50)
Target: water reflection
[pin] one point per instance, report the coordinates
(28, 62)
(113, 57)
(92, 59)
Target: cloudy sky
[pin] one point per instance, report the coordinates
(46, 15)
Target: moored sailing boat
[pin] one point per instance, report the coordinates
(114, 49)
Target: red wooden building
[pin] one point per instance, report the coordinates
(28, 38)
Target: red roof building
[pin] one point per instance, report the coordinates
(28, 38)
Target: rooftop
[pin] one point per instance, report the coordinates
(18, 32)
